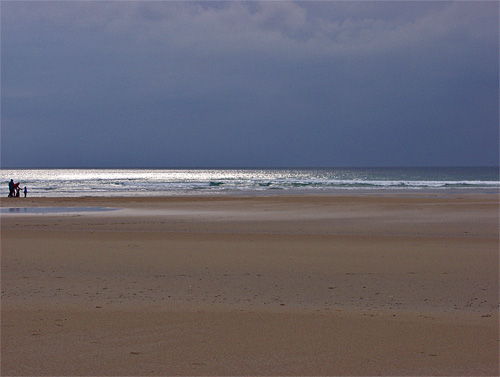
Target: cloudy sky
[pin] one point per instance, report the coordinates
(249, 84)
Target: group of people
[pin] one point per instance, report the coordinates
(15, 189)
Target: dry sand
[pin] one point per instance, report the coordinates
(306, 285)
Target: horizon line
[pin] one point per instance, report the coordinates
(251, 167)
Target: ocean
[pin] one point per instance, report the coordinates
(170, 182)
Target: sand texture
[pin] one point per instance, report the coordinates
(305, 285)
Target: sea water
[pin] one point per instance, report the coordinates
(168, 182)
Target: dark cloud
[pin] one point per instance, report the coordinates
(249, 83)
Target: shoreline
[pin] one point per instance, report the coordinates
(230, 285)
(239, 195)
(271, 193)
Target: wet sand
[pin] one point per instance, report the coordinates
(306, 285)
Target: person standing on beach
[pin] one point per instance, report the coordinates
(11, 188)
(25, 191)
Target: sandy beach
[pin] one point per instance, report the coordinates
(399, 284)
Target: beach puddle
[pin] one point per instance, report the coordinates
(42, 210)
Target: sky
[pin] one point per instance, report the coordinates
(178, 84)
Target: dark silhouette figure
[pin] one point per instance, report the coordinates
(11, 188)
